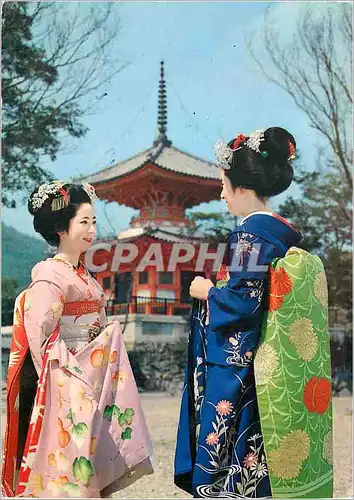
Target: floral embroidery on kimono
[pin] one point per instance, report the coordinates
(235, 342)
(87, 429)
(220, 448)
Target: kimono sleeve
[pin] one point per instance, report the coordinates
(44, 304)
(240, 303)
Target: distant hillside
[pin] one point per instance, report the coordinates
(20, 253)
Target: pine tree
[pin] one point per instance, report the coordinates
(49, 64)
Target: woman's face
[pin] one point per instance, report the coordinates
(235, 198)
(82, 229)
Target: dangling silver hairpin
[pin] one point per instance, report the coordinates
(223, 154)
(255, 139)
(90, 190)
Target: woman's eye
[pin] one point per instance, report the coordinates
(84, 222)
(94, 222)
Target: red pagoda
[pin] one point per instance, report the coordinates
(161, 182)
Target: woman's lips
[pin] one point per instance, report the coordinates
(89, 240)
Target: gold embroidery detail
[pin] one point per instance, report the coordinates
(286, 461)
(304, 338)
(328, 448)
(265, 364)
(320, 288)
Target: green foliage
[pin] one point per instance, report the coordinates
(31, 126)
(127, 433)
(126, 418)
(20, 253)
(215, 226)
(323, 212)
(54, 55)
(114, 413)
(83, 470)
(9, 288)
(80, 429)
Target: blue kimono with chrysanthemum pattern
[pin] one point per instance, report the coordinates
(219, 450)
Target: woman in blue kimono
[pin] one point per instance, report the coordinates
(220, 450)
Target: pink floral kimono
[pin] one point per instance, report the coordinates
(75, 426)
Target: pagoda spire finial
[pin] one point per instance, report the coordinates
(162, 110)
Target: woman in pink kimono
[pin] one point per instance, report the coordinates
(75, 426)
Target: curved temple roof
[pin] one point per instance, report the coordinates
(166, 157)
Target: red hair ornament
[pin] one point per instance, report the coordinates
(291, 150)
(238, 141)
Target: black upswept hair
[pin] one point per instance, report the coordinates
(49, 223)
(267, 175)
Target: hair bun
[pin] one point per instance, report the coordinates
(279, 144)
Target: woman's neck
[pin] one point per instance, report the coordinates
(68, 255)
(257, 206)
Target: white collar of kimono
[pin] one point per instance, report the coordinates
(271, 214)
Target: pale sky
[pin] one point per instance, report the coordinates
(214, 90)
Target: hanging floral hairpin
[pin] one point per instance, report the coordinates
(90, 190)
(62, 201)
(223, 154)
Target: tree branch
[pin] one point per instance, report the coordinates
(315, 80)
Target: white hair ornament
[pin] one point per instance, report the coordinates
(45, 190)
(255, 139)
(223, 154)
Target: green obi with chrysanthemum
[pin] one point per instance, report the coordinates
(293, 379)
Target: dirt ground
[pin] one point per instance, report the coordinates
(162, 413)
(162, 416)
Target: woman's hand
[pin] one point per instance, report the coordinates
(200, 287)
